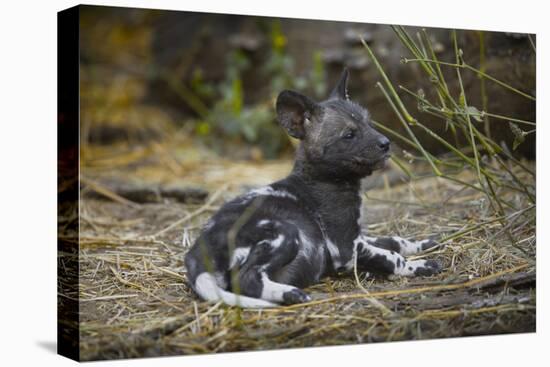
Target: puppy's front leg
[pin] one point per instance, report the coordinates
(401, 245)
(375, 259)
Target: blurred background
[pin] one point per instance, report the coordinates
(195, 85)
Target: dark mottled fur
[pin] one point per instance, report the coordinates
(289, 227)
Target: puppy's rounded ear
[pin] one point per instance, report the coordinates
(293, 109)
(341, 89)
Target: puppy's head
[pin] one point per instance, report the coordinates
(336, 134)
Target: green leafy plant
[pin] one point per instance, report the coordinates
(254, 125)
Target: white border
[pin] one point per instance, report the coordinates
(28, 204)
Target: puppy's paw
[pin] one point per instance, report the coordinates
(427, 268)
(428, 244)
(295, 296)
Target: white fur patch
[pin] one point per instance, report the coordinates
(367, 239)
(307, 246)
(220, 280)
(421, 243)
(274, 243)
(351, 263)
(206, 287)
(410, 267)
(373, 250)
(270, 191)
(239, 256)
(408, 247)
(334, 254)
(390, 255)
(273, 291)
(403, 266)
(277, 241)
(263, 222)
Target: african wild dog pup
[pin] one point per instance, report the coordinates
(262, 247)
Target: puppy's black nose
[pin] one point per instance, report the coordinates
(384, 143)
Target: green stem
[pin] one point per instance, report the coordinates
(502, 84)
(463, 95)
(501, 117)
(483, 91)
(441, 79)
(409, 131)
(408, 117)
(411, 143)
(480, 73)
(402, 166)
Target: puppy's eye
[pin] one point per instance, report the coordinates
(349, 135)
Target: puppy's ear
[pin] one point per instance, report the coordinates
(341, 89)
(294, 111)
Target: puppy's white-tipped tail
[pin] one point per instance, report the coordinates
(208, 289)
